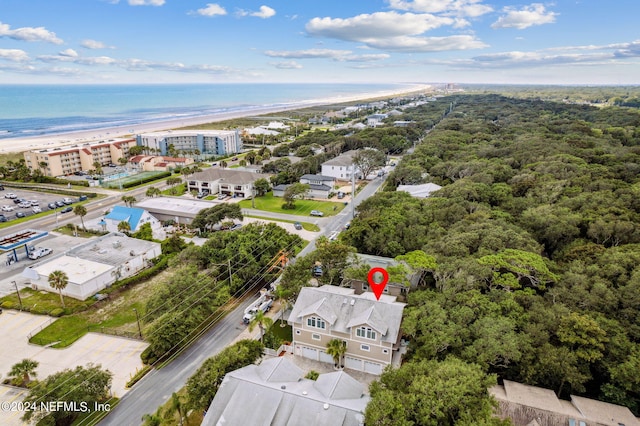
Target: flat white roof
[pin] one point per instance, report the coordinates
(176, 206)
(78, 270)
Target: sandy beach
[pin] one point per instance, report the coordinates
(60, 139)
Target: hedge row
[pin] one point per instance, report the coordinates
(60, 191)
(139, 375)
(42, 310)
(144, 180)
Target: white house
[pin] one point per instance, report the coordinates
(95, 265)
(222, 181)
(134, 216)
(341, 167)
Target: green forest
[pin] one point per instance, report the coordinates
(536, 239)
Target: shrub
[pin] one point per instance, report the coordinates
(7, 304)
(139, 375)
(148, 357)
(312, 375)
(57, 312)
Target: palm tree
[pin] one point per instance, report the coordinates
(124, 226)
(98, 167)
(59, 280)
(129, 200)
(23, 371)
(81, 211)
(337, 348)
(152, 192)
(223, 164)
(176, 405)
(263, 322)
(282, 295)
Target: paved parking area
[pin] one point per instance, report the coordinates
(43, 198)
(119, 355)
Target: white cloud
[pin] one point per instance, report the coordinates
(264, 12)
(528, 16)
(289, 65)
(336, 55)
(94, 44)
(468, 8)
(375, 26)
(212, 9)
(29, 34)
(15, 55)
(146, 2)
(430, 44)
(69, 52)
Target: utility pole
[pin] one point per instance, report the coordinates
(138, 320)
(353, 191)
(18, 292)
(229, 263)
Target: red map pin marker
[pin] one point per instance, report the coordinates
(379, 285)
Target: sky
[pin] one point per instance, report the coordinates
(347, 41)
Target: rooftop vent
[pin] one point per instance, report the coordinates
(344, 301)
(353, 302)
(325, 406)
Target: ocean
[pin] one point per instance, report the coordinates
(35, 110)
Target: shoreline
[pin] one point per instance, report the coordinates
(22, 144)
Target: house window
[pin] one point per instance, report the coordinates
(366, 332)
(315, 336)
(316, 322)
(365, 348)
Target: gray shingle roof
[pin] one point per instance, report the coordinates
(344, 159)
(318, 177)
(343, 309)
(285, 399)
(228, 176)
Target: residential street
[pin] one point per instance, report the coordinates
(155, 389)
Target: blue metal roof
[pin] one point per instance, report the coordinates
(129, 214)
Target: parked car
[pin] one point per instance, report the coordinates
(1, 187)
(34, 202)
(39, 252)
(66, 209)
(19, 200)
(316, 213)
(10, 195)
(236, 226)
(25, 204)
(67, 200)
(21, 214)
(297, 225)
(7, 208)
(200, 194)
(3, 218)
(340, 195)
(82, 198)
(59, 204)
(52, 206)
(36, 209)
(112, 165)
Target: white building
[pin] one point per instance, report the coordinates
(208, 142)
(135, 217)
(95, 265)
(341, 167)
(222, 181)
(420, 191)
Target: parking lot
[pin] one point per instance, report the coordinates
(16, 203)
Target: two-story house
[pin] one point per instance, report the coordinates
(222, 181)
(369, 327)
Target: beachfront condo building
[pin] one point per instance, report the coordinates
(67, 160)
(207, 142)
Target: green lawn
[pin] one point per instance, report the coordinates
(285, 333)
(305, 225)
(176, 190)
(269, 203)
(42, 302)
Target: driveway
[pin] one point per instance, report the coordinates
(119, 355)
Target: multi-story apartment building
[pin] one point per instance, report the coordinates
(369, 327)
(208, 142)
(66, 160)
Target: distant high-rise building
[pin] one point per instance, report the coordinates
(208, 142)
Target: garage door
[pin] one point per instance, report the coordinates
(325, 357)
(372, 367)
(353, 363)
(309, 353)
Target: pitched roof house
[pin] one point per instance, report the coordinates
(276, 393)
(229, 182)
(370, 327)
(525, 404)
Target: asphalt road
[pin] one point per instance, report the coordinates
(156, 388)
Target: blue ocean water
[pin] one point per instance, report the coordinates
(34, 110)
